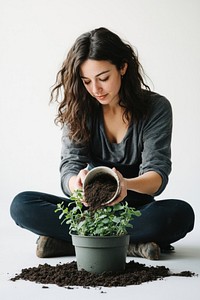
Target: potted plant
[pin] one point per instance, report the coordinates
(99, 236)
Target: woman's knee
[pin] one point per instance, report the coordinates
(189, 215)
(180, 215)
(18, 206)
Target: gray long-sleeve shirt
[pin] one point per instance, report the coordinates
(145, 147)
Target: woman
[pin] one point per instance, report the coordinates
(111, 118)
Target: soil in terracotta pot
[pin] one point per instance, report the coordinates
(100, 190)
(67, 275)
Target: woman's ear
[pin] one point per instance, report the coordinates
(123, 69)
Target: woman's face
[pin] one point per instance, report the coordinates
(102, 80)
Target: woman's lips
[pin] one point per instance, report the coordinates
(102, 97)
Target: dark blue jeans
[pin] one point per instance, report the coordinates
(163, 221)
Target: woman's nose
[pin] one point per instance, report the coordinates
(97, 89)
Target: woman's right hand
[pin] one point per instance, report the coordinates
(76, 182)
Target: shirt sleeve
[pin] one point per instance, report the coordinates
(156, 154)
(74, 157)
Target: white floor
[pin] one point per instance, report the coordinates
(17, 251)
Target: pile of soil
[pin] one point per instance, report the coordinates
(100, 190)
(67, 275)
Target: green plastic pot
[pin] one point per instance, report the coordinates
(101, 254)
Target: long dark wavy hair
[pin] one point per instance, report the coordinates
(75, 103)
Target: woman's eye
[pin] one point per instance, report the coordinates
(86, 82)
(104, 79)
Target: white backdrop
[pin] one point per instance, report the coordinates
(35, 36)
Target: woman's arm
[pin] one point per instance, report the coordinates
(74, 159)
(148, 183)
(156, 153)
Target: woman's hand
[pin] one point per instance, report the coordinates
(122, 189)
(78, 182)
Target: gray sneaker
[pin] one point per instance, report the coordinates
(147, 250)
(50, 247)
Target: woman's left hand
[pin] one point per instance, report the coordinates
(122, 189)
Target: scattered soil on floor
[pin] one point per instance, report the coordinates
(67, 275)
(100, 190)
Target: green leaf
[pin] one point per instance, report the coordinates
(105, 221)
(116, 219)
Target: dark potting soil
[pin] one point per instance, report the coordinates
(67, 275)
(100, 190)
